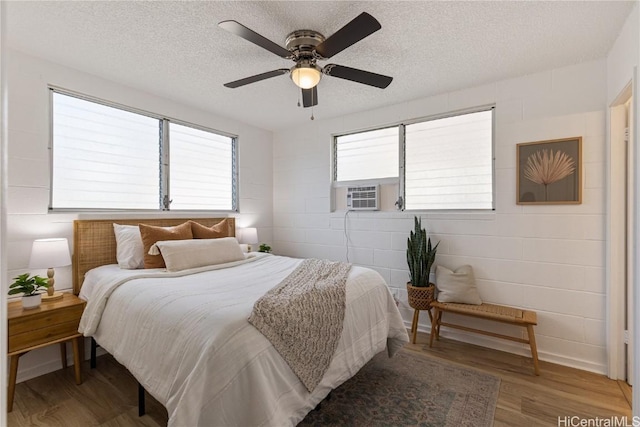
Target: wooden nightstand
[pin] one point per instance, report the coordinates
(52, 323)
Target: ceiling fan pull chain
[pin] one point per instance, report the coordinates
(298, 98)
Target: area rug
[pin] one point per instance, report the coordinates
(410, 390)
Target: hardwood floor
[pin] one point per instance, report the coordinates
(527, 400)
(108, 395)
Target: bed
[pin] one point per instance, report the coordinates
(185, 336)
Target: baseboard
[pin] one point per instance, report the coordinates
(51, 365)
(515, 348)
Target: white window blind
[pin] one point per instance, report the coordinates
(367, 155)
(103, 157)
(201, 169)
(449, 163)
(106, 157)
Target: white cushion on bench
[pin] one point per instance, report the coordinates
(457, 286)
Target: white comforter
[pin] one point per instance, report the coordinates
(188, 342)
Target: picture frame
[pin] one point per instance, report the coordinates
(549, 172)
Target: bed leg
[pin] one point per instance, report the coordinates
(141, 408)
(93, 353)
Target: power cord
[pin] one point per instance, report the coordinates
(346, 235)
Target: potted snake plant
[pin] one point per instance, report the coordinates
(420, 258)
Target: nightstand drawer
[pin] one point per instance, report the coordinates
(43, 335)
(20, 325)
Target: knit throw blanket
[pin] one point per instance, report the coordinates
(303, 317)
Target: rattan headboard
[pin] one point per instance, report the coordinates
(94, 243)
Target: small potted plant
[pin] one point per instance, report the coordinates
(420, 258)
(30, 287)
(265, 248)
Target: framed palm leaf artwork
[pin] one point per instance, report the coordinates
(549, 172)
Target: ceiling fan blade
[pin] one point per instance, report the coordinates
(359, 28)
(250, 35)
(310, 97)
(358, 76)
(256, 78)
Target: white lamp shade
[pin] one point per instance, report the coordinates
(248, 236)
(49, 253)
(305, 77)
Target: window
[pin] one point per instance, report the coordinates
(444, 163)
(105, 157)
(367, 155)
(201, 169)
(449, 163)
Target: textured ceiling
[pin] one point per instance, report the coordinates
(176, 50)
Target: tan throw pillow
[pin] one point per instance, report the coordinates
(185, 254)
(217, 231)
(457, 286)
(151, 234)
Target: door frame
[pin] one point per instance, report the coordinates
(617, 233)
(633, 140)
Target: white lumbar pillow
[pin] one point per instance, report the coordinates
(129, 247)
(185, 254)
(457, 286)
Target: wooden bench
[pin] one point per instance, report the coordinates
(499, 313)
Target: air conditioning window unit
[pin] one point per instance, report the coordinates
(364, 198)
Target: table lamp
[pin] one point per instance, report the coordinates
(50, 253)
(248, 236)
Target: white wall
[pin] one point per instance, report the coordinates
(623, 56)
(545, 258)
(29, 174)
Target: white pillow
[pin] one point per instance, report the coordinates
(129, 248)
(457, 286)
(184, 254)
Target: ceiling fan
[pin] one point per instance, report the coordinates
(305, 48)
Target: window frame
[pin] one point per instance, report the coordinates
(400, 181)
(334, 148)
(164, 150)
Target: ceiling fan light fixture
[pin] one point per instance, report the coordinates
(305, 48)
(306, 76)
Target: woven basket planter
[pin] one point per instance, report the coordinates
(420, 298)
